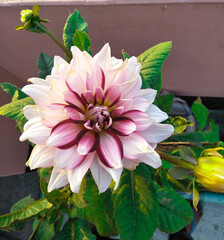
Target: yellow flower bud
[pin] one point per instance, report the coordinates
(209, 171)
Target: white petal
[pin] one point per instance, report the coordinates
(141, 104)
(116, 63)
(38, 81)
(58, 179)
(134, 146)
(31, 111)
(149, 94)
(129, 164)
(39, 93)
(35, 131)
(103, 57)
(76, 175)
(133, 68)
(41, 157)
(155, 113)
(157, 132)
(101, 177)
(61, 67)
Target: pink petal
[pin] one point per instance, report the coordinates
(123, 126)
(74, 113)
(95, 79)
(74, 99)
(112, 95)
(141, 119)
(76, 175)
(64, 134)
(116, 76)
(58, 179)
(134, 146)
(68, 158)
(117, 112)
(110, 150)
(76, 81)
(99, 95)
(126, 103)
(157, 132)
(88, 97)
(86, 143)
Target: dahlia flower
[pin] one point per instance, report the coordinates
(92, 114)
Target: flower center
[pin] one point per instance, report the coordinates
(98, 118)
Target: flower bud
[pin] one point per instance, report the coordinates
(26, 15)
(209, 171)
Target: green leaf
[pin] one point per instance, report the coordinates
(14, 110)
(75, 229)
(24, 214)
(11, 89)
(45, 230)
(17, 206)
(179, 124)
(188, 155)
(212, 135)
(78, 198)
(74, 23)
(165, 102)
(174, 211)
(125, 55)
(180, 172)
(82, 41)
(45, 63)
(196, 195)
(201, 114)
(136, 205)
(151, 63)
(94, 212)
(189, 137)
(35, 10)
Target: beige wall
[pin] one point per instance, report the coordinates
(194, 67)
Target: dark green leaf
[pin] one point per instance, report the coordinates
(180, 172)
(189, 137)
(94, 212)
(165, 102)
(75, 229)
(74, 23)
(10, 88)
(45, 230)
(212, 135)
(78, 198)
(24, 214)
(125, 55)
(151, 63)
(201, 113)
(45, 63)
(82, 41)
(188, 155)
(136, 205)
(174, 211)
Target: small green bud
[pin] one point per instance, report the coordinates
(26, 15)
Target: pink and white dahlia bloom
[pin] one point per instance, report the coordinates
(92, 114)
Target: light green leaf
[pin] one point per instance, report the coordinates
(74, 23)
(188, 155)
(78, 198)
(201, 113)
(180, 124)
(14, 110)
(94, 212)
(35, 10)
(151, 63)
(196, 195)
(165, 102)
(82, 41)
(174, 211)
(11, 89)
(45, 63)
(75, 229)
(136, 205)
(24, 214)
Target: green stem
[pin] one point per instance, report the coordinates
(54, 37)
(175, 160)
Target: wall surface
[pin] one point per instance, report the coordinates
(193, 68)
